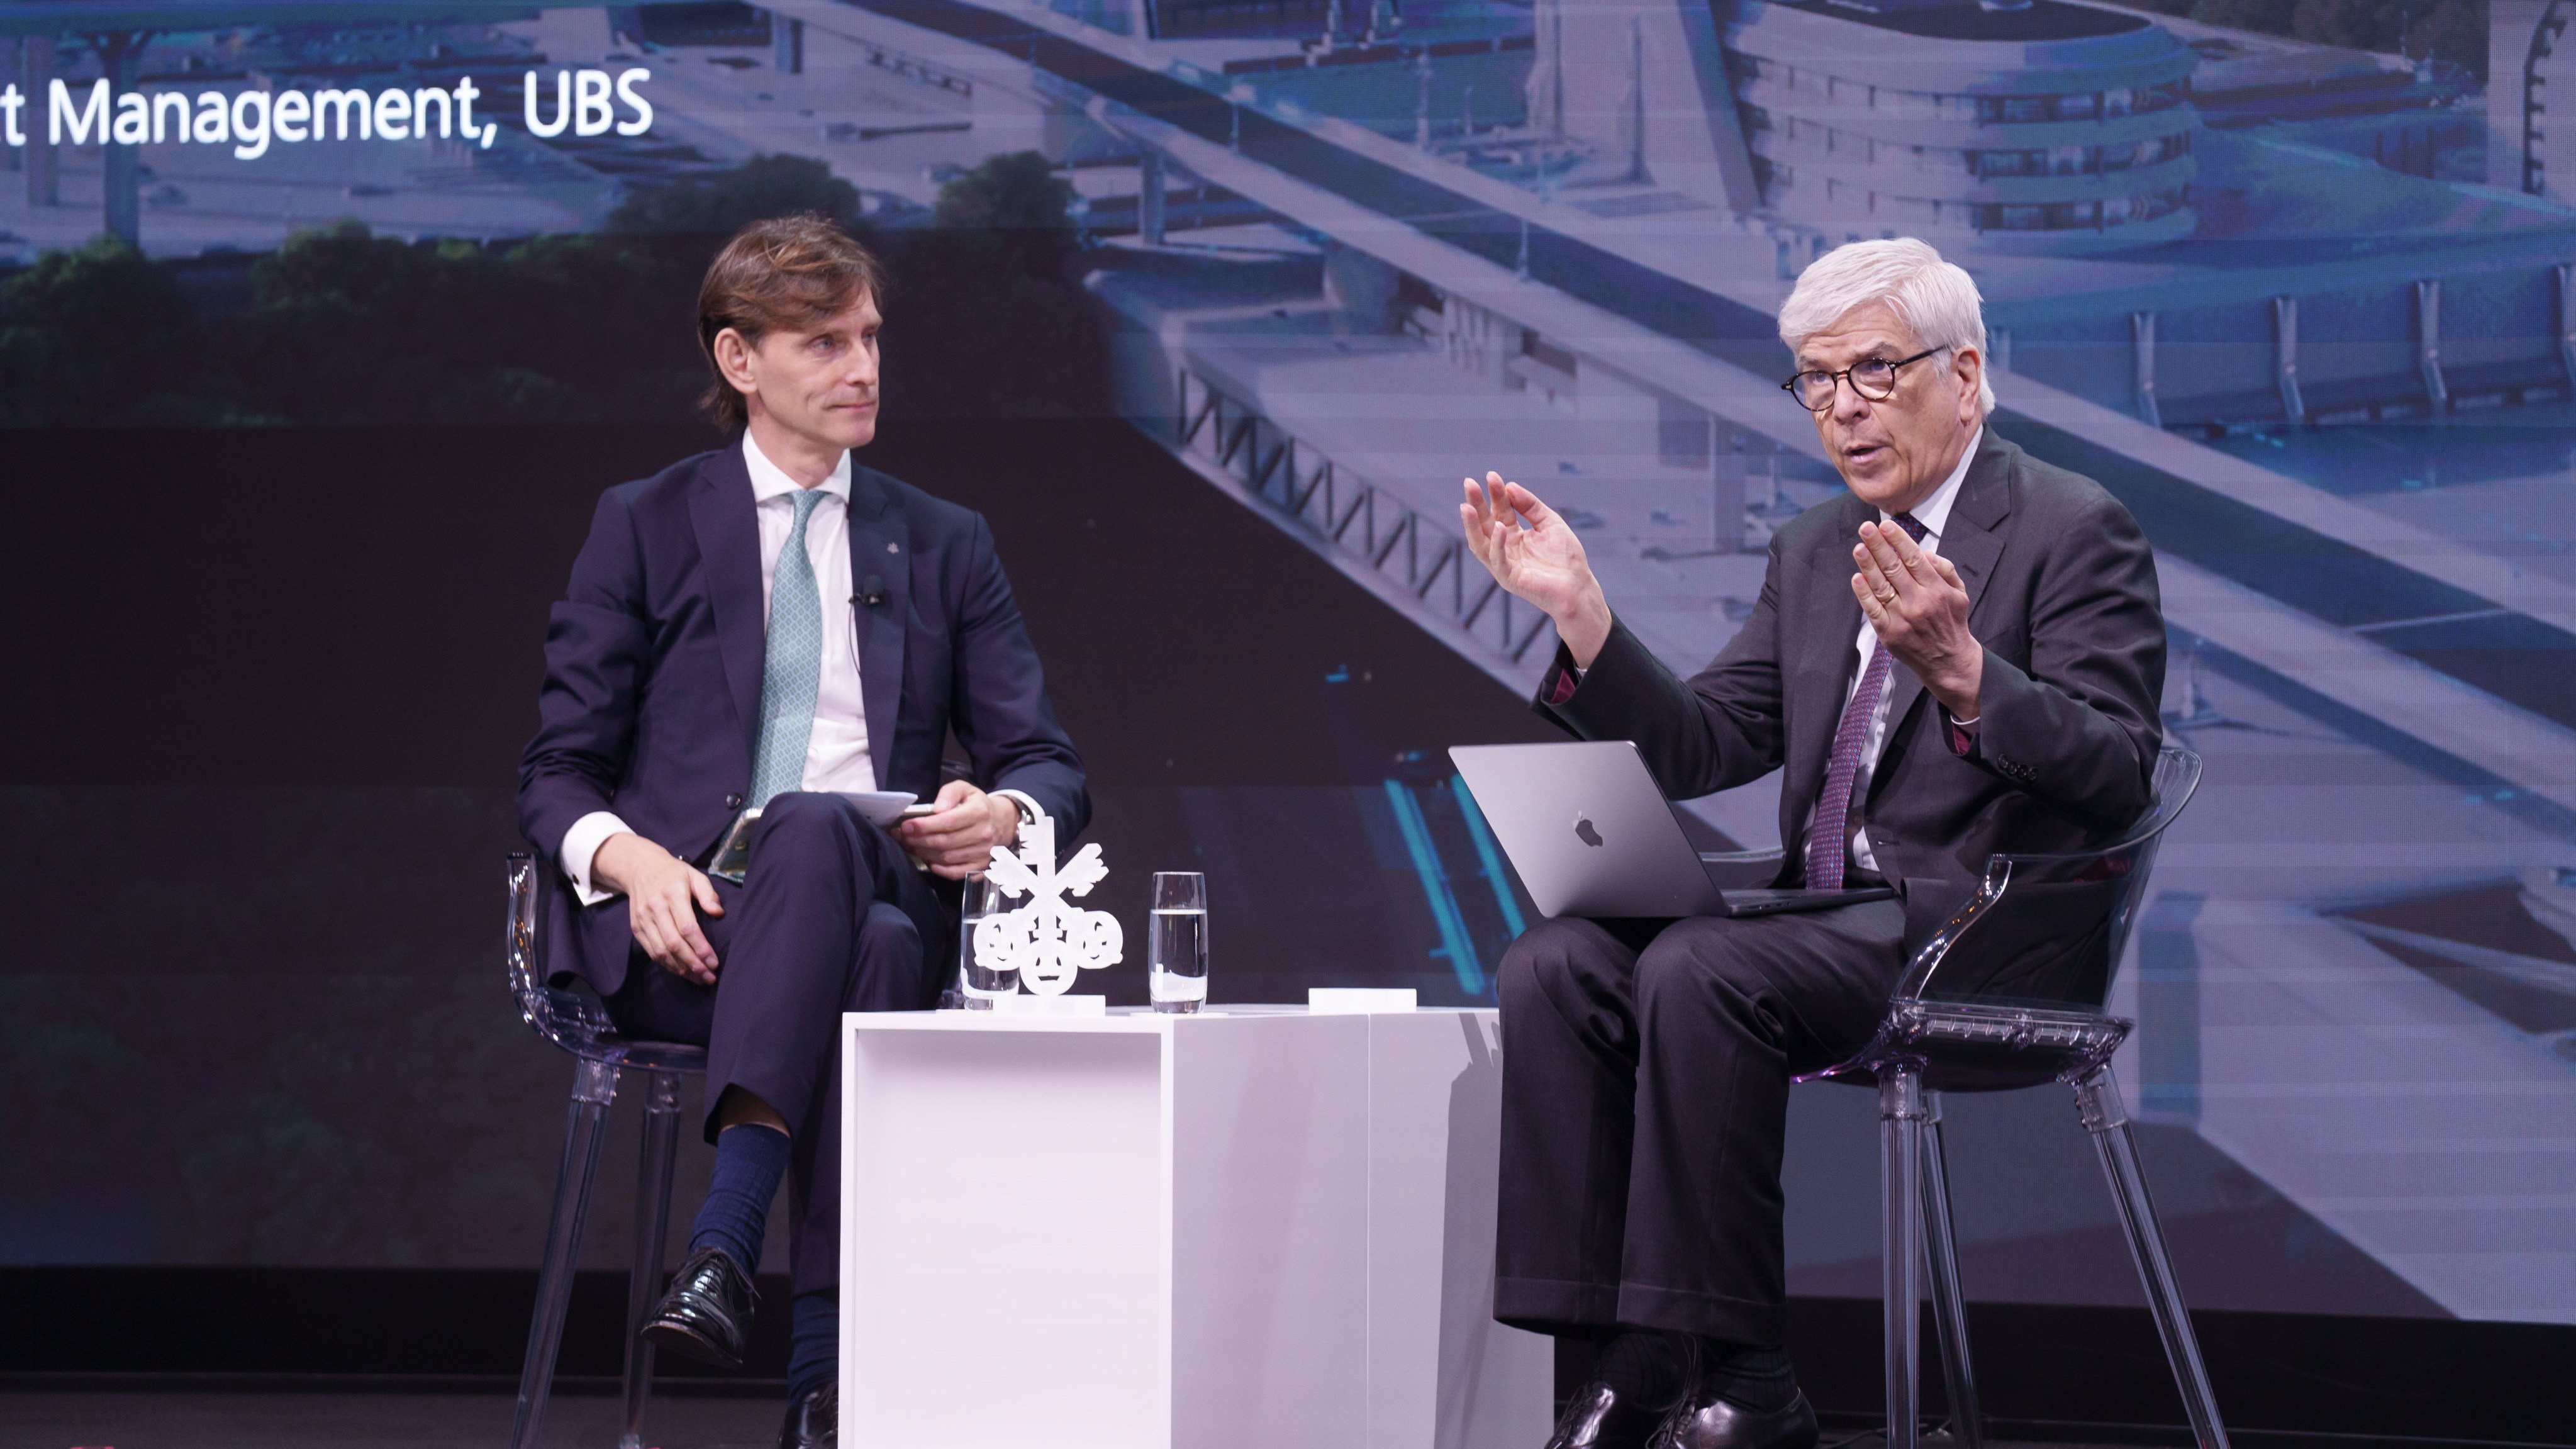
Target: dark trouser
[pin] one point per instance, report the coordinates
(1645, 1099)
(831, 917)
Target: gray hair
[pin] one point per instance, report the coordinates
(1937, 299)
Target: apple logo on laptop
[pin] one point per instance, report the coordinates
(1584, 832)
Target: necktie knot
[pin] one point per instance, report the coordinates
(808, 499)
(1913, 526)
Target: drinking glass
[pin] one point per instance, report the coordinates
(1176, 956)
(978, 985)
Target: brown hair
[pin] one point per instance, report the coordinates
(777, 275)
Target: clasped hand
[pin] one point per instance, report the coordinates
(1918, 607)
(665, 894)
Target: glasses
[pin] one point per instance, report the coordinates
(1873, 378)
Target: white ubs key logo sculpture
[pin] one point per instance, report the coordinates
(1047, 940)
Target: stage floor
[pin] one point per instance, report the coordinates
(158, 1419)
(177, 1419)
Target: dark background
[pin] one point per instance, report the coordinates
(267, 691)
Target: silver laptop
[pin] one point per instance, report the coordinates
(1591, 835)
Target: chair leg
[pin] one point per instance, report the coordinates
(1949, 1303)
(2097, 1097)
(1900, 1166)
(594, 1087)
(652, 1226)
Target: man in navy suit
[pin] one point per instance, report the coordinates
(768, 627)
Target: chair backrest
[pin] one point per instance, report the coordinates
(571, 1020)
(2047, 931)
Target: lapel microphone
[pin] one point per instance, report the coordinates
(871, 591)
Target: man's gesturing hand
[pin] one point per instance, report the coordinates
(1532, 551)
(1920, 610)
(957, 839)
(661, 891)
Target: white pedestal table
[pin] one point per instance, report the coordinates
(1252, 1227)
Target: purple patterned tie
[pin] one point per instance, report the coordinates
(1828, 840)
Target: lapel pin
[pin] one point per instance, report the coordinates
(894, 548)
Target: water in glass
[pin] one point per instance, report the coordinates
(978, 986)
(1176, 944)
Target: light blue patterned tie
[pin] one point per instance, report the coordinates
(792, 673)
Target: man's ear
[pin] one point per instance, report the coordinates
(1971, 365)
(733, 359)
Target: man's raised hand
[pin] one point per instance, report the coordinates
(1919, 607)
(1532, 552)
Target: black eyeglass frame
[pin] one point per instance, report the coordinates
(1839, 378)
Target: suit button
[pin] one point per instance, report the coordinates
(733, 802)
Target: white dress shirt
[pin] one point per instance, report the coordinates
(1934, 514)
(836, 757)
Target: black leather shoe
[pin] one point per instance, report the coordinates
(707, 1314)
(1595, 1419)
(814, 1421)
(1704, 1421)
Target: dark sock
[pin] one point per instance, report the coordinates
(815, 1358)
(1754, 1378)
(749, 1161)
(1641, 1369)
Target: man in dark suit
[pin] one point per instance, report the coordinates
(768, 627)
(1963, 655)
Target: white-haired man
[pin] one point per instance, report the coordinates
(1960, 656)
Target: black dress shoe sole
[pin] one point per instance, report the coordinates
(688, 1343)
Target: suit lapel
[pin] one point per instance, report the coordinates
(1974, 541)
(880, 549)
(725, 517)
(1970, 540)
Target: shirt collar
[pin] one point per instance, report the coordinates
(769, 481)
(1934, 512)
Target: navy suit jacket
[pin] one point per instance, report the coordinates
(653, 667)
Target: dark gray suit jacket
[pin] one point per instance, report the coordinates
(2062, 593)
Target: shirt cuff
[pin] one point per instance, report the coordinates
(581, 843)
(1568, 680)
(1029, 807)
(1963, 733)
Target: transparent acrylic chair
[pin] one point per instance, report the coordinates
(2008, 993)
(579, 1025)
